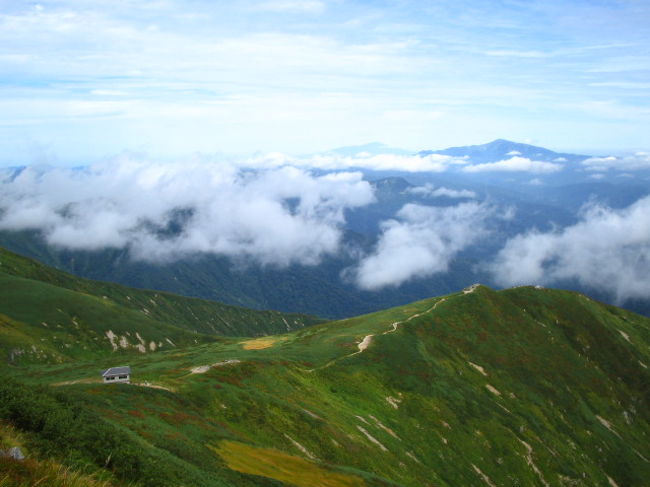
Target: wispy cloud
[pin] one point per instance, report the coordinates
(633, 162)
(518, 54)
(515, 164)
(375, 162)
(302, 75)
(615, 110)
(309, 6)
(429, 190)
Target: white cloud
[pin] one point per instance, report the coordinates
(376, 162)
(626, 85)
(422, 241)
(411, 116)
(615, 110)
(429, 190)
(108, 92)
(385, 162)
(302, 75)
(516, 164)
(307, 6)
(518, 54)
(277, 216)
(608, 250)
(636, 162)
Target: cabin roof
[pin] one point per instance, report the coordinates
(117, 371)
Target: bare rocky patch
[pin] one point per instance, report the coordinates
(202, 369)
(479, 368)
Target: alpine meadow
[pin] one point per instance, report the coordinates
(324, 243)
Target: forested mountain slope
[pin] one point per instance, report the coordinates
(49, 315)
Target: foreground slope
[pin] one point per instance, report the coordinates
(49, 315)
(519, 387)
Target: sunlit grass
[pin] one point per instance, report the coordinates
(260, 343)
(283, 467)
(32, 473)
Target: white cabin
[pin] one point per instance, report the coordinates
(117, 374)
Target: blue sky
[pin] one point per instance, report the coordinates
(82, 80)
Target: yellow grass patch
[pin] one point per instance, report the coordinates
(260, 343)
(286, 468)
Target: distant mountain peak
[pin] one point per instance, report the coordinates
(500, 149)
(391, 184)
(502, 141)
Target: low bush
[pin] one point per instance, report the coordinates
(57, 425)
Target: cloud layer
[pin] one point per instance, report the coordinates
(430, 191)
(422, 241)
(516, 164)
(159, 211)
(608, 250)
(375, 162)
(278, 214)
(636, 162)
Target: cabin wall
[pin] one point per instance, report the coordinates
(111, 379)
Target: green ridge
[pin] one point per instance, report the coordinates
(49, 315)
(525, 386)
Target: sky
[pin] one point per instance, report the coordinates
(84, 80)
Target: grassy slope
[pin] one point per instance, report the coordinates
(47, 314)
(519, 387)
(44, 473)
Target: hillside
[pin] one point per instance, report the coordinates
(49, 315)
(526, 386)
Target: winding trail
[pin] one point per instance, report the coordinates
(417, 315)
(367, 340)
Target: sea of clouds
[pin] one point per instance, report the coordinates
(278, 211)
(276, 216)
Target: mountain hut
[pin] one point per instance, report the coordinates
(117, 374)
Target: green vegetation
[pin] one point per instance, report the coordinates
(316, 290)
(519, 387)
(30, 472)
(280, 466)
(50, 316)
(60, 426)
